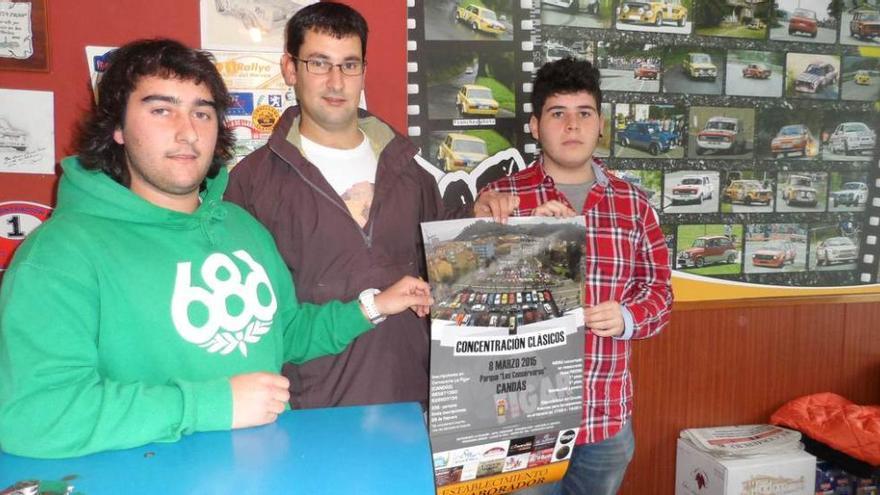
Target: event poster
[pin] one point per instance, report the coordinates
(506, 350)
(259, 96)
(27, 132)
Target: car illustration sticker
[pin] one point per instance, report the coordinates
(17, 220)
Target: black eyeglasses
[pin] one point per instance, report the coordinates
(321, 66)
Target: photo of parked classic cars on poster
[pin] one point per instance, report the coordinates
(467, 84)
(754, 73)
(649, 131)
(710, 249)
(693, 70)
(732, 19)
(721, 132)
(465, 149)
(629, 66)
(462, 20)
(577, 13)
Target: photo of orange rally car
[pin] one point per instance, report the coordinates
(646, 71)
(756, 71)
(747, 192)
(775, 254)
(654, 13)
(795, 138)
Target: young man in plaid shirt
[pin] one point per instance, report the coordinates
(627, 291)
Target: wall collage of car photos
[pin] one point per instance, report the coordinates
(751, 125)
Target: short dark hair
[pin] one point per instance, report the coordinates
(565, 76)
(336, 19)
(163, 58)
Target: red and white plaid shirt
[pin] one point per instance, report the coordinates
(626, 261)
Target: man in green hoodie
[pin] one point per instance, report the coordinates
(147, 308)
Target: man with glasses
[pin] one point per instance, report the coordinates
(340, 191)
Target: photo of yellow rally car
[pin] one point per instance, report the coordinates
(862, 77)
(461, 152)
(479, 19)
(656, 13)
(699, 66)
(473, 99)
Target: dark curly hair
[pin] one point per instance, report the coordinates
(336, 19)
(565, 76)
(163, 58)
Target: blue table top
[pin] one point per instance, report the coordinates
(379, 449)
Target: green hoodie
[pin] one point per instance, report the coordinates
(120, 321)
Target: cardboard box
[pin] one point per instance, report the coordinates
(700, 473)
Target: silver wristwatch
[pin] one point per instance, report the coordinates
(367, 300)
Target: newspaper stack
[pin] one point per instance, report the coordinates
(744, 441)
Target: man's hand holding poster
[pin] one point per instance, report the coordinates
(507, 350)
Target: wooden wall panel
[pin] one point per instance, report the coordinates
(861, 354)
(736, 366)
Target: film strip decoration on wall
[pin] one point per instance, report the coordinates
(752, 128)
(469, 66)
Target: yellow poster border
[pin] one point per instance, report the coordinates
(507, 482)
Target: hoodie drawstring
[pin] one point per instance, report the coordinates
(216, 214)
